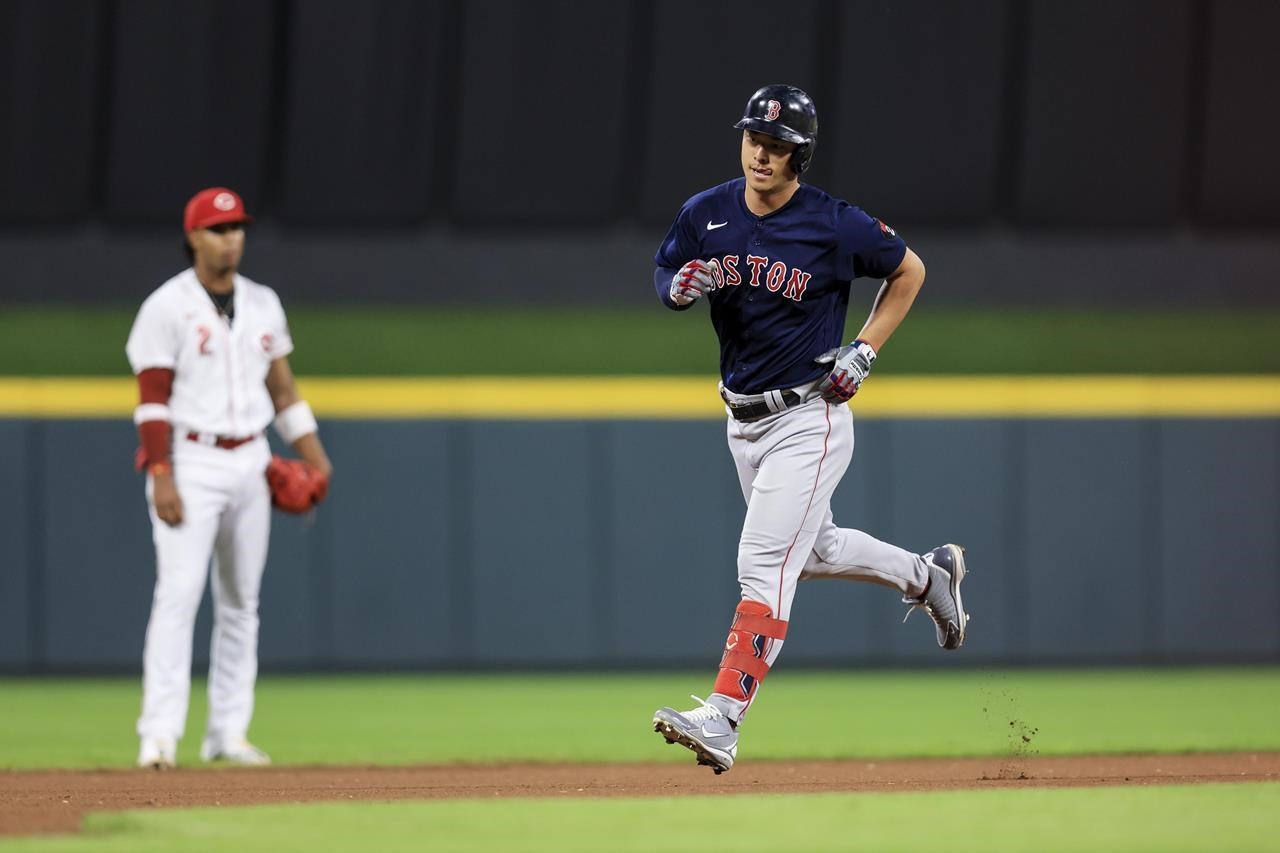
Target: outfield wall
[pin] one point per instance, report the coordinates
(467, 542)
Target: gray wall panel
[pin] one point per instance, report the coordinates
(1105, 112)
(560, 543)
(949, 481)
(48, 106)
(99, 561)
(677, 512)
(1219, 541)
(703, 69)
(1086, 508)
(917, 141)
(390, 520)
(16, 553)
(189, 105)
(1239, 181)
(532, 564)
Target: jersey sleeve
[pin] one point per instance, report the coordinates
(681, 243)
(868, 246)
(154, 340)
(678, 248)
(281, 339)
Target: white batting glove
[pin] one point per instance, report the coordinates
(849, 367)
(691, 283)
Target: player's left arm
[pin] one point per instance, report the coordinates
(893, 301)
(294, 420)
(850, 365)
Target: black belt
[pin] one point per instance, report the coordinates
(756, 411)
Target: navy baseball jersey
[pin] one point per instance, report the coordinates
(782, 280)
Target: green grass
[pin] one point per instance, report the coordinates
(439, 718)
(496, 717)
(651, 340)
(1167, 819)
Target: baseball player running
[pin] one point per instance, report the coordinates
(210, 350)
(775, 259)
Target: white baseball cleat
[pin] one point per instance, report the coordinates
(941, 599)
(706, 731)
(158, 753)
(236, 751)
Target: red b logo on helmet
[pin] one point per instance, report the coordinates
(775, 109)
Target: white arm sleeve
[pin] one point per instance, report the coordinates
(296, 421)
(150, 412)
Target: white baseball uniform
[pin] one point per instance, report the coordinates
(219, 399)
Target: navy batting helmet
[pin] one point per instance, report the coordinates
(787, 113)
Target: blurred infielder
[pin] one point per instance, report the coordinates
(209, 348)
(775, 259)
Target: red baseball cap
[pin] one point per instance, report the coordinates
(213, 207)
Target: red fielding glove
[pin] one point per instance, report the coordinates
(296, 486)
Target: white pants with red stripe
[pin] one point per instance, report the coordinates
(789, 465)
(227, 518)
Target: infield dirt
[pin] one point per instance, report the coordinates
(57, 800)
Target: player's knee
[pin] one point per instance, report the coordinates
(237, 606)
(825, 552)
(176, 606)
(828, 544)
(180, 588)
(241, 623)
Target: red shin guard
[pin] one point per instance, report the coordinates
(743, 666)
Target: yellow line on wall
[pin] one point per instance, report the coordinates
(641, 397)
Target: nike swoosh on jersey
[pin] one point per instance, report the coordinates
(711, 226)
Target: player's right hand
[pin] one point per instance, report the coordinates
(167, 502)
(691, 283)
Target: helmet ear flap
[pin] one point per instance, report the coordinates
(801, 156)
